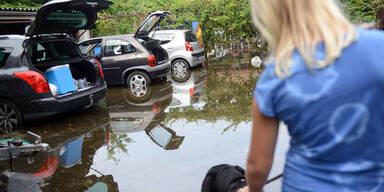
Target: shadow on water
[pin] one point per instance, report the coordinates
(115, 129)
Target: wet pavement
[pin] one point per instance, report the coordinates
(163, 141)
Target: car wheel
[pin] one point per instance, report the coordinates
(180, 70)
(10, 116)
(138, 83)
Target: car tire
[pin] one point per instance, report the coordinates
(10, 116)
(180, 70)
(138, 83)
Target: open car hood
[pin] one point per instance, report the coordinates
(66, 16)
(150, 23)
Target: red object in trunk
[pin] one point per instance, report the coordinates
(36, 80)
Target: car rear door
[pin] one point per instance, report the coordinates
(198, 50)
(66, 16)
(119, 54)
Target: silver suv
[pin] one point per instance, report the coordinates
(184, 51)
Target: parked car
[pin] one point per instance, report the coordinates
(38, 71)
(134, 60)
(184, 51)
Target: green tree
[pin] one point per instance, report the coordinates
(22, 3)
(360, 10)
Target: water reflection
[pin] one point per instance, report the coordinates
(187, 92)
(66, 165)
(147, 144)
(129, 114)
(222, 96)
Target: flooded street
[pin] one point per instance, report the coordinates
(163, 140)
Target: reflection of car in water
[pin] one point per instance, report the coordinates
(71, 155)
(130, 114)
(186, 93)
(163, 136)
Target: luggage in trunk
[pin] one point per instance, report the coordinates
(77, 76)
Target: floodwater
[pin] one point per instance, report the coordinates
(164, 141)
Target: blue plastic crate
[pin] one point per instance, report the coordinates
(72, 154)
(61, 77)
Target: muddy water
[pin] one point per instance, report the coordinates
(162, 141)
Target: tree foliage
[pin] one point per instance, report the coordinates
(22, 3)
(230, 18)
(360, 10)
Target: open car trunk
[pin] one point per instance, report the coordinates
(154, 47)
(63, 67)
(146, 27)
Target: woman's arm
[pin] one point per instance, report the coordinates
(263, 141)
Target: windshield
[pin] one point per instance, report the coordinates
(190, 37)
(52, 51)
(67, 18)
(149, 24)
(160, 135)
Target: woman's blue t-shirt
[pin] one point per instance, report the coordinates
(335, 117)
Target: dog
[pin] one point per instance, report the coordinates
(224, 178)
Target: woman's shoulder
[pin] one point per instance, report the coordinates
(370, 36)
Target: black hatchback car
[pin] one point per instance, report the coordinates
(44, 72)
(134, 60)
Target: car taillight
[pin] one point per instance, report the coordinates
(37, 81)
(100, 68)
(192, 91)
(188, 46)
(152, 61)
(156, 108)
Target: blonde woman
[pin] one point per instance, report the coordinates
(326, 83)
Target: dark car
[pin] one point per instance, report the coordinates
(134, 60)
(44, 72)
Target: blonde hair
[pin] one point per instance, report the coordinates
(301, 24)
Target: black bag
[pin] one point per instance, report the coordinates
(224, 178)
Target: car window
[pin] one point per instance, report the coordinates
(67, 18)
(150, 23)
(4, 54)
(190, 36)
(51, 51)
(160, 135)
(118, 47)
(91, 48)
(163, 36)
